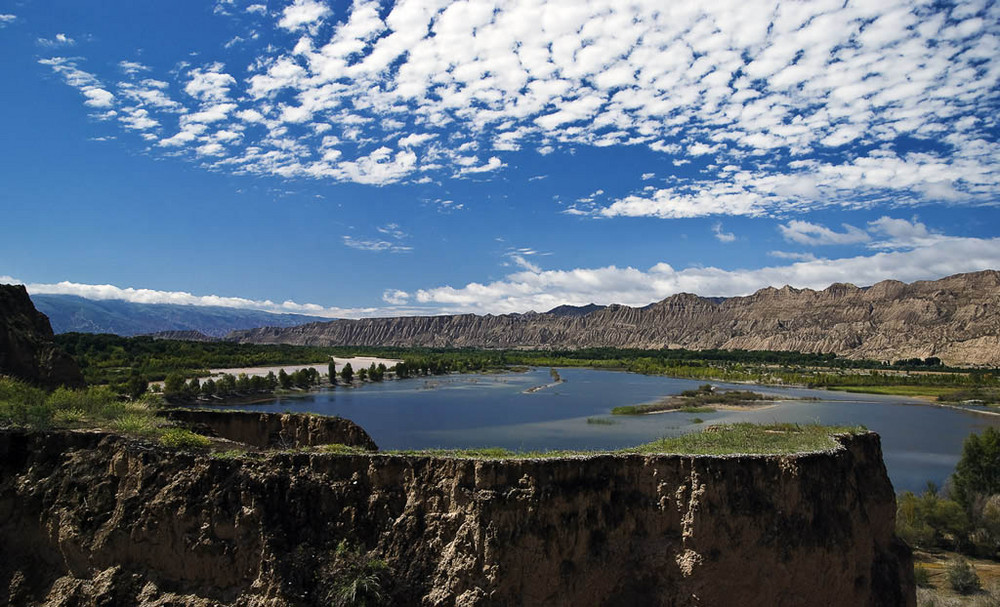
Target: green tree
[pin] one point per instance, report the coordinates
(978, 472)
(284, 380)
(347, 373)
(174, 385)
(332, 370)
(136, 386)
(362, 374)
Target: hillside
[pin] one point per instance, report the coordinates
(956, 318)
(69, 313)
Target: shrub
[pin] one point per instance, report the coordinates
(355, 579)
(181, 438)
(136, 424)
(922, 576)
(962, 576)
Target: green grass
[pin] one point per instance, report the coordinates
(697, 409)
(697, 420)
(340, 449)
(180, 438)
(726, 439)
(749, 438)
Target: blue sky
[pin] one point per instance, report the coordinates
(427, 156)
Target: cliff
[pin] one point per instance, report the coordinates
(268, 430)
(27, 349)
(88, 518)
(956, 319)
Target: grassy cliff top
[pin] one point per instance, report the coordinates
(725, 439)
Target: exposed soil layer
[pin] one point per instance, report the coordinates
(89, 518)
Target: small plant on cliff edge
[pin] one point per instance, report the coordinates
(184, 439)
(354, 579)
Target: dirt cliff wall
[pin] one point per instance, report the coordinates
(91, 518)
(281, 430)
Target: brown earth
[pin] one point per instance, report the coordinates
(89, 518)
(956, 319)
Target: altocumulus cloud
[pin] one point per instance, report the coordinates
(787, 106)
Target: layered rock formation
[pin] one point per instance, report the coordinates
(956, 319)
(27, 349)
(94, 519)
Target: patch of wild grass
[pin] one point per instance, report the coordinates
(749, 438)
(340, 449)
(181, 438)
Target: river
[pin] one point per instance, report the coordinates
(921, 442)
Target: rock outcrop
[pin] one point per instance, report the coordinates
(274, 430)
(95, 519)
(956, 319)
(27, 349)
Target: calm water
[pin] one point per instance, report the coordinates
(920, 442)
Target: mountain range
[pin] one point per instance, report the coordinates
(956, 318)
(69, 313)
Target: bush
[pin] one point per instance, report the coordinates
(352, 578)
(137, 424)
(184, 439)
(962, 576)
(922, 576)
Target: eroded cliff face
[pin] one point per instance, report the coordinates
(956, 319)
(88, 518)
(27, 348)
(281, 430)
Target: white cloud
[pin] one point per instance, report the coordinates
(374, 244)
(792, 255)
(152, 296)
(57, 40)
(6, 19)
(538, 290)
(97, 96)
(803, 232)
(395, 297)
(720, 235)
(302, 13)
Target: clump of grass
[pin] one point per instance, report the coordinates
(750, 438)
(690, 409)
(230, 454)
(341, 449)
(136, 424)
(697, 420)
(69, 416)
(181, 438)
(601, 421)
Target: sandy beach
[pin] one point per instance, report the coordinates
(357, 362)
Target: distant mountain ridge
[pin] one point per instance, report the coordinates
(956, 318)
(69, 313)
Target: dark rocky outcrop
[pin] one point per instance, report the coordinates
(27, 349)
(88, 518)
(956, 319)
(267, 430)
